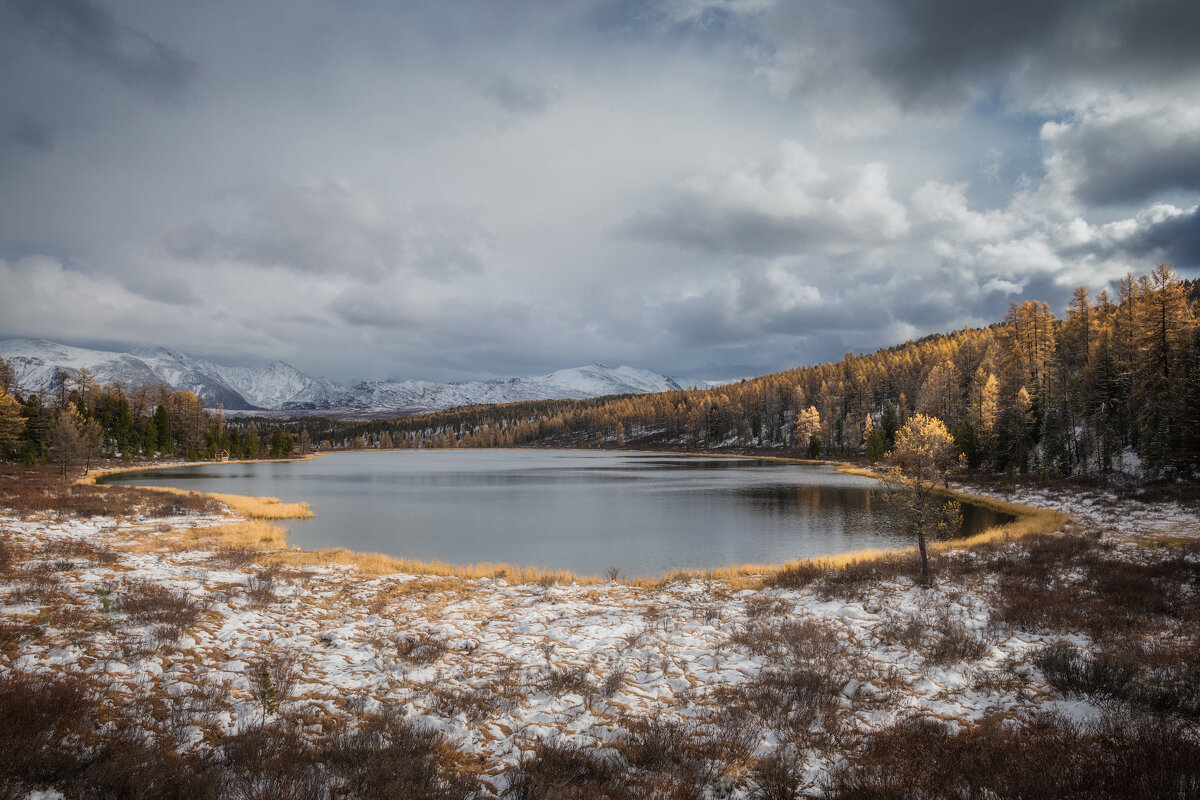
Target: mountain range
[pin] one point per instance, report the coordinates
(280, 387)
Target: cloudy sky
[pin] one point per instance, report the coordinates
(707, 188)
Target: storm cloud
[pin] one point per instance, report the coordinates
(708, 188)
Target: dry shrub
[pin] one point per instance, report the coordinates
(83, 550)
(614, 679)
(474, 704)
(270, 761)
(423, 648)
(807, 641)
(272, 677)
(1035, 604)
(388, 757)
(148, 603)
(940, 637)
(777, 776)
(45, 725)
(1105, 680)
(1165, 680)
(1043, 756)
(15, 631)
(233, 557)
(849, 578)
(797, 575)
(260, 588)
(567, 771)
(794, 700)
(666, 758)
(41, 489)
(568, 680)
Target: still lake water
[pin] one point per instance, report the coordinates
(643, 513)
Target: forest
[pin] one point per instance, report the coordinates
(1113, 385)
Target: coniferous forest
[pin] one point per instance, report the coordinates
(1111, 385)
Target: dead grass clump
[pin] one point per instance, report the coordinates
(1043, 756)
(247, 535)
(148, 603)
(559, 770)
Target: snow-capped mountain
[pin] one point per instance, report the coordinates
(280, 387)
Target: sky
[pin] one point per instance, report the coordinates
(705, 188)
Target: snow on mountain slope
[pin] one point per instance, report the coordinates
(279, 386)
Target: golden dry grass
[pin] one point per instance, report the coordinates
(380, 564)
(263, 507)
(248, 535)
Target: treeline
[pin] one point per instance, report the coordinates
(1114, 384)
(79, 420)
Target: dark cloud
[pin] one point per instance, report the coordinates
(944, 52)
(1176, 240)
(91, 36)
(1131, 157)
(29, 132)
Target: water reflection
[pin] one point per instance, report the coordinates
(645, 514)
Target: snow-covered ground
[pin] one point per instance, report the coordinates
(499, 666)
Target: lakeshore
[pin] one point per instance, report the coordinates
(502, 665)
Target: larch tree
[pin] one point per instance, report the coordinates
(924, 455)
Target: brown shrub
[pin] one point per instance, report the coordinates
(148, 603)
(1043, 756)
(388, 756)
(563, 771)
(422, 648)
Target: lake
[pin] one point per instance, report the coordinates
(643, 513)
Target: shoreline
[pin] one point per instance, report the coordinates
(1027, 520)
(179, 633)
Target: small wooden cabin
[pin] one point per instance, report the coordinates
(221, 455)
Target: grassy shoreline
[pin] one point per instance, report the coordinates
(273, 543)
